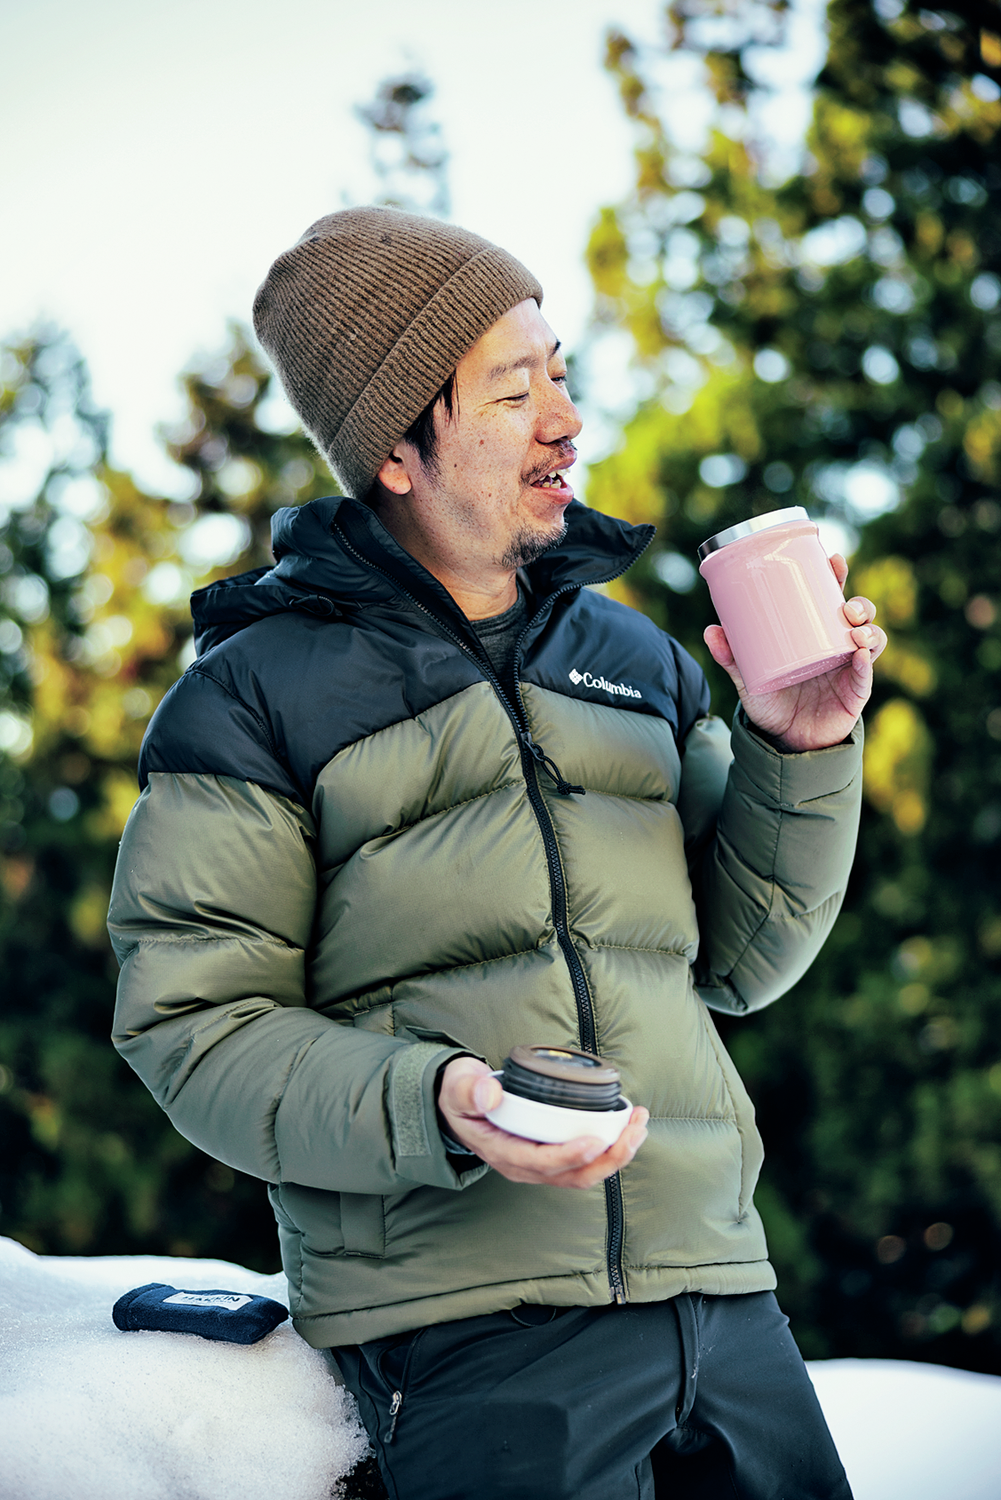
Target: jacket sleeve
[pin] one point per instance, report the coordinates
(770, 840)
(211, 915)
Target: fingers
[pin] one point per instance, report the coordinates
(615, 1158)
(600, 1162)
(859, 611)
(469, 1090)
(839, 567)
(520, 1160)
(580, 1163)
(719, 647)
(870, 638)
(862, 673)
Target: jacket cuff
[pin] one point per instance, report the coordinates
(420, 1152)
(788, 778)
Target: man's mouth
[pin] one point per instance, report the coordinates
(551, 481)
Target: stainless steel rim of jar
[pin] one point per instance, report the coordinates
(748, 528)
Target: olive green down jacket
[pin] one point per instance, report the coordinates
(349, 863)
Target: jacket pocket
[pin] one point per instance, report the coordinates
(332, 1223)
(363, 1224)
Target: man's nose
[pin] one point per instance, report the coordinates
(558, 418)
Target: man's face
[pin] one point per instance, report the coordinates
(497, 492)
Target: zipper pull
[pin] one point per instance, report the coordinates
(394, 1412)
(550, 767)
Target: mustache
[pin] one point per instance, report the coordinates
(560, 455)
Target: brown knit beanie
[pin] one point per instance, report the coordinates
(366, 317)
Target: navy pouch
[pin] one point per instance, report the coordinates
(230, 1317)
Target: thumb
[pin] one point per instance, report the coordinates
(486, 1093)
(465, 1082)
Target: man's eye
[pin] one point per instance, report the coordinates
(519, 396)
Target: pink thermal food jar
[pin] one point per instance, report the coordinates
(777, 599)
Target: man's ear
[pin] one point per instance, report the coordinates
(395, 473)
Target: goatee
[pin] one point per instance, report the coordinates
(527, 547)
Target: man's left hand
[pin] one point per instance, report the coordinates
(468, 1090)
(822, 711)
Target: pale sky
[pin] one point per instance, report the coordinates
(158, 156)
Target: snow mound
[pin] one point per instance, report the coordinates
(912, 1431)
(90, 1413)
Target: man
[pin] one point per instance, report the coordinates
(425, 795)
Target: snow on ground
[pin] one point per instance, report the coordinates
(89, 1413)
(913, 1432)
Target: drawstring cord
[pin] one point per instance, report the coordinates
(550, 767)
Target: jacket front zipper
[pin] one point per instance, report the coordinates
(587, 1026)
(532, 758)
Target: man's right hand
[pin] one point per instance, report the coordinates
(468, 1090)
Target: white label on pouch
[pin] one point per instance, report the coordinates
(228, 1301)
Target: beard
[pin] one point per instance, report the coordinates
(527, 547)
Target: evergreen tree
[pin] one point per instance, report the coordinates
(246, 453)
(86, 657)
(95, 578)
(408, 155)
(94, 627)
(835, 342)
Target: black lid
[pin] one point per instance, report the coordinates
(561, 1075)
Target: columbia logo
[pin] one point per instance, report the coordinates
(621, 688)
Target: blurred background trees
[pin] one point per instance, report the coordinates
(95, 578)
(408, 155)
(832, 339)
(94, 627)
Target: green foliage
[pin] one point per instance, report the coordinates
(835, 342)
(93, 625)
(244, 449)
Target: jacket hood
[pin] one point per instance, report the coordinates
(335, 555)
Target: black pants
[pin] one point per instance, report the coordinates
(698, 1398)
